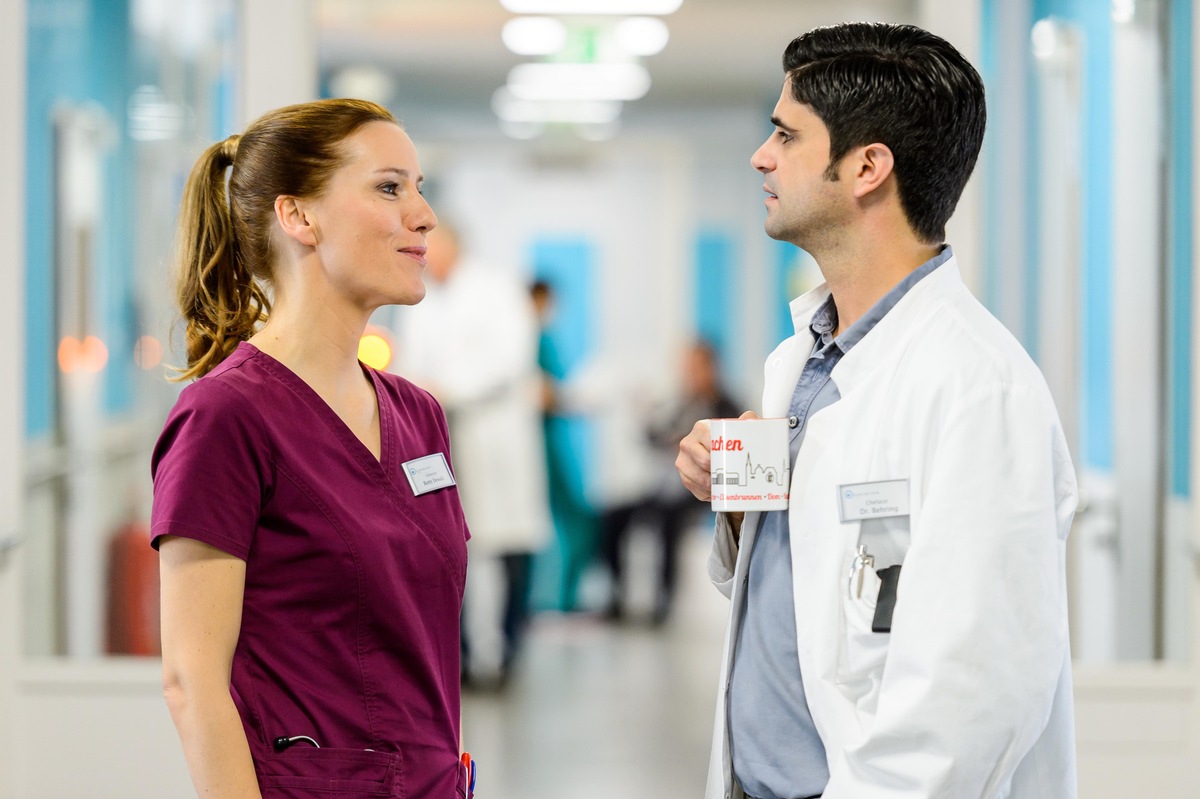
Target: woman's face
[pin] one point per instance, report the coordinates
(371, 221)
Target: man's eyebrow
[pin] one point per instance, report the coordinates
(777, 122)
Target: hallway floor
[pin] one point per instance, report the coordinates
(597, 710)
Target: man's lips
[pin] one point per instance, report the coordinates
(416, 253)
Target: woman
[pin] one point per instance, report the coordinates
(312, 545)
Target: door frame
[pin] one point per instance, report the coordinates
(13, 33)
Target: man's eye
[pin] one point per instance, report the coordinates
(784, 135)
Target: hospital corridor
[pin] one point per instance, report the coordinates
(358, 357)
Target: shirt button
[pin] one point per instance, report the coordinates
(793, 422)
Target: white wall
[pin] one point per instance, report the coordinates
(12, 327)
(278, 55)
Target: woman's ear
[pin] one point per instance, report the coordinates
(875, 165)
(295, 221)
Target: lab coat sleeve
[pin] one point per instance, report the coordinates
(979, 633)
(722, 560)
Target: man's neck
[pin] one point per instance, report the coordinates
(859, 279)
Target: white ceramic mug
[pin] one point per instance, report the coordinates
(751, 464)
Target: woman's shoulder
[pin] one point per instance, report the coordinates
(234, 385)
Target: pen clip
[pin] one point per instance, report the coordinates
(862, 561)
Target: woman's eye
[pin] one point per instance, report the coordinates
(389, 188)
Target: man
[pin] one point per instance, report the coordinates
(918, 651)
(472, 342)
(663, 502)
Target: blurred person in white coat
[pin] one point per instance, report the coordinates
(900, 630)
(473, 344)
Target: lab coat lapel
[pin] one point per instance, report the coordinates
(787, 361)
(880, 348)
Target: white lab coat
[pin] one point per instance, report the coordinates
(969, 696)
(473, 341)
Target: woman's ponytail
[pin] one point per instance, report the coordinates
(221, 301)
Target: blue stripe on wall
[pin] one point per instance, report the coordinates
(56, 41)
(784, 291)
(717, 303)
(79, 53)
(111, 83)
(1180, 243)
(569, 265)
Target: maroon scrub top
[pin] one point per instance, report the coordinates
(350, 622)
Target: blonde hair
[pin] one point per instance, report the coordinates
(224, 253)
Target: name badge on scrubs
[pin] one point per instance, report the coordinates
(877, 500)
(428, 473)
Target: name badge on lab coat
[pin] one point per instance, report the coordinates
(877, 500)
(428, 473)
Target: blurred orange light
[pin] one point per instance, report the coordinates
(374, 349)
(147, 352)
(68, 354)
(89, 355)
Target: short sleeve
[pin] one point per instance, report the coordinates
(211, 469)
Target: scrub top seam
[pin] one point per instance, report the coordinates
(360, 626)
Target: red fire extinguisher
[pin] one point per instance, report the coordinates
(132, 617)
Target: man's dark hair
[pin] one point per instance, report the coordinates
(903, 87)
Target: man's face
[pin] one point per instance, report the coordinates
(805, 204)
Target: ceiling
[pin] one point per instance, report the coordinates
(446, 58)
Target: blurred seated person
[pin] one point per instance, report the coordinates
(667, 508)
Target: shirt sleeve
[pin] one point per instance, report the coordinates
(211, 469)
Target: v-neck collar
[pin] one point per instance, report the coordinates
(336, 425)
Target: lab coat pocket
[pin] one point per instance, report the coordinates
(863, 652)
(303, 772)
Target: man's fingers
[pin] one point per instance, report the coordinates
(693, 462)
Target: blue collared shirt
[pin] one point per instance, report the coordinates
(777, 753)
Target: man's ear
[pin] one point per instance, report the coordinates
(294, 220)
(875, 164)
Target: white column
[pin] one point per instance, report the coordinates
(1138, 298)
(278, 55)
(960, 22)
(12, 387)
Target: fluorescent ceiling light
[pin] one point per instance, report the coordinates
(590, 112)
(594, 7)
(534, 35)
(642, 35)
(578, 81)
